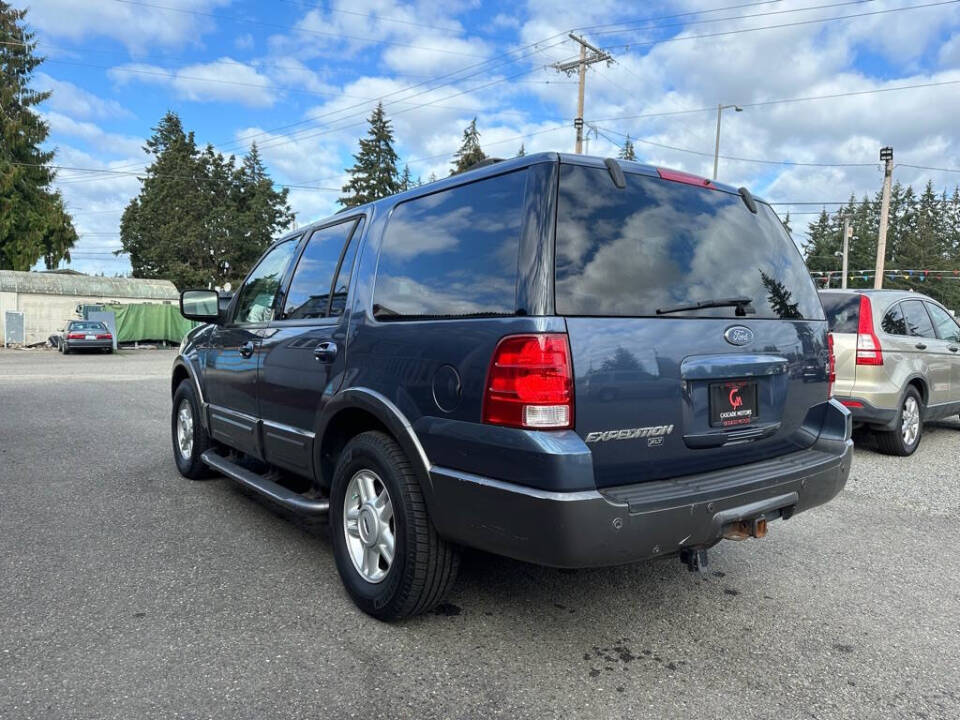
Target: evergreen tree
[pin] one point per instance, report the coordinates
(34, 223)
(470, 152)
(199, 220)
(627, 152)
(522, 151)
(406, 181)
(374, 172)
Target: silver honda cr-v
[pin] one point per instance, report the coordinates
(897, 362)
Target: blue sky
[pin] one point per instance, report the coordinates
(300, 77)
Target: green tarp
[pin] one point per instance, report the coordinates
(140, 322)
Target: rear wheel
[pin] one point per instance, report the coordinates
(905, 439)
(388, 554)
(64, 349)
(190, 440)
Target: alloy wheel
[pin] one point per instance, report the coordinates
(910, 422)
(369, 526)
(185, 429)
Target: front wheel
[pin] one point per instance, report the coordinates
(905, 439)
(389, 556)
(190, 440)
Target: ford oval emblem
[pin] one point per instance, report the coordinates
(738, 335)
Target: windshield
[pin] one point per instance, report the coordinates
(661, 244)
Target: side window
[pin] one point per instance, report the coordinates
(453, 253)
(893, 322)
(309, 294)
(946, 326)
(256, 297)
(918, 322)
(342, 285)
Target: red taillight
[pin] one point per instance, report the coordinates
(831, 367)
(530, 383)
(104, 336)
(869, 351)
(851, 403)
(75, 336)
(682, 177)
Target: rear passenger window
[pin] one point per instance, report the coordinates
(842, 311)
(453, 253)
(309, 294)
(918, 322)
(946, 326)
(342, 285)
(893, 322)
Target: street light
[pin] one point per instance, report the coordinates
(716, 151)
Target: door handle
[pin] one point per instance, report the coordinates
(921, 346)
(246, 350)
(953, 348)
(325, 352)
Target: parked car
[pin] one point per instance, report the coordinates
(898, 362)
(85, 335)
(567, 360)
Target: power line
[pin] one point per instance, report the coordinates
(797, 23)
(731, 157)
(925, 167)
(678, 15)
(763, 103)
(735, 17)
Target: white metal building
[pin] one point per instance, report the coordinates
(48, 299)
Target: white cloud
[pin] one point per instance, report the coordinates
(136, 26)
(223, 80)
(106, 142)
(68, 98)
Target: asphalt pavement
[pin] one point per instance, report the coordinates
(127, 591)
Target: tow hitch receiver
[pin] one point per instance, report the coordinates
(695, 559)
(742, 529)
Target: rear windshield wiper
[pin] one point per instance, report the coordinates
(742, 304)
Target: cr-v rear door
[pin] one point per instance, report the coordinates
(665, 388)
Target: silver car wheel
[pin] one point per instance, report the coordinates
(910, 422)
(369, 527)
(185, 429)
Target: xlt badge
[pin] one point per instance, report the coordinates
(630, 433)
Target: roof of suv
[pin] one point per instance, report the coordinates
(886, 293)
(498, 168)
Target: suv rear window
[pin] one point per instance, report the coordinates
(658, 244)
(842, 311)
(452, 253)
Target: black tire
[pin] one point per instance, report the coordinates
(424, 566)
(190, 466)
(893, 442)
(65, 349)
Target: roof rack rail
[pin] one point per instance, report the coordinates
(485, 162)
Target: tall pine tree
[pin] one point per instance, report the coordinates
(470, 152)
(200, 220)
(34, 223)
(627, 152)
(374, 172)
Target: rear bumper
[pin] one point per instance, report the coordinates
(87, 344)
(870, 414)
(625, 524)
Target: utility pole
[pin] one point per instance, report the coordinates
(596, 55)
(847, 231)
(886, 154)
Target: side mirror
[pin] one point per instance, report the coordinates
(201, 305)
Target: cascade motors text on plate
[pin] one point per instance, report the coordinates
(630, 433)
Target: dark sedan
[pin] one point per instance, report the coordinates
(86, 335)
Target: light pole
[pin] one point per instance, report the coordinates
(716, 150)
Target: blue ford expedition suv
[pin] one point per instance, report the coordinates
(563, 359)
